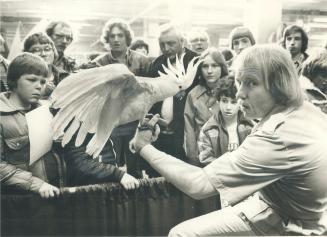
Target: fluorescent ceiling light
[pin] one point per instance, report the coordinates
(317, 37)
(299, 1)
(317, 25)
(320, 19)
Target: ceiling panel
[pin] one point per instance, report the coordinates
(89, 16)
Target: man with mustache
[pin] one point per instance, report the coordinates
(61, 34)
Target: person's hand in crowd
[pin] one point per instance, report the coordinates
(123, 168)
(48, 191)
(88, 65)
(147, 132)
(129, 182)
(48, 89)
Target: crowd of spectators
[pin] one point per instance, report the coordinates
(205, 121)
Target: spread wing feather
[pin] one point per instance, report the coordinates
(85, 81)
(111, 109)
(67, 113)
(86, 115)
(85, 97)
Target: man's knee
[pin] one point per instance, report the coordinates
(174, 232)
(179, 231)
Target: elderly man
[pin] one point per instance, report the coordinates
(295, 40)
(241, 38)
(62, 35)
(117, 35)
(198, 40)
(172, 43)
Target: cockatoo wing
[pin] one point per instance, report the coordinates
(92, 101)
(99, 99)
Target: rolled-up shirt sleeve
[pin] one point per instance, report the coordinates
(259, 161)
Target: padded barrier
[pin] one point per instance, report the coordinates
(102, 210)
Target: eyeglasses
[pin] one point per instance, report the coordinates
(198, 40)
(39, 51)
(62, 36)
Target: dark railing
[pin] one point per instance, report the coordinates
(102, 210)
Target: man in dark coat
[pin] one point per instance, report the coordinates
(171, 138)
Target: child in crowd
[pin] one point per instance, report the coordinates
(226, 129)
(26, 79)
(139, 45)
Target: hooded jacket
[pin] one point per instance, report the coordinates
(213, 138)
(16, 173)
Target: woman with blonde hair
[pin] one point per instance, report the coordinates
(283, 160)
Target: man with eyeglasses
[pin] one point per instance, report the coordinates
(199, 40)
(62, 35)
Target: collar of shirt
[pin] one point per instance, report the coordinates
(116, 60)
(300, 60)
(206, 90)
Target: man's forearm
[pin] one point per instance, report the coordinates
(188, 178)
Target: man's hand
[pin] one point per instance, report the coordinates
(48, 191)
(147, 132)
(129, 182)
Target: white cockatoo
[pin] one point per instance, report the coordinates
(99, 99)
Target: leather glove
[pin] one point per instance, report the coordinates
(146, 133)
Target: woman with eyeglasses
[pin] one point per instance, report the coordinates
(41, 45)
